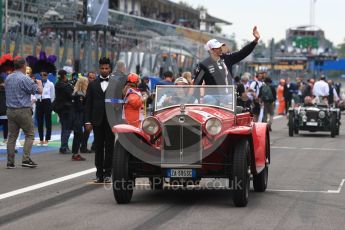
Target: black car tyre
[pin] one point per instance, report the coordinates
(260, 180)
(291, 124)
(240, 174)
(123, 184)
(333, 124)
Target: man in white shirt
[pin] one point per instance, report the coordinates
(321, 90)
(254, 88)
(44, 109)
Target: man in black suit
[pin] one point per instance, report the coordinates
(96, 119)
(217, 68)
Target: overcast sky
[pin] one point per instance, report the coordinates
(274, 17)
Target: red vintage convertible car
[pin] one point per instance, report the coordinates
(195, 132)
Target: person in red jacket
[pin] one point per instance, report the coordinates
(133, 107)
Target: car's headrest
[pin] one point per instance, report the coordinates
(239, 109)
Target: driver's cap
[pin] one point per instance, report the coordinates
(214, 44)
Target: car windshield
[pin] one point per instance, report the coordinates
(216, 96)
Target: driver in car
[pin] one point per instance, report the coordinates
(178, 95)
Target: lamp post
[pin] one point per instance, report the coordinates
(0, 27)
(22, 31)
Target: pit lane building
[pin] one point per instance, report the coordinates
(148, 35)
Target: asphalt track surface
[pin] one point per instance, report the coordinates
(305, 191)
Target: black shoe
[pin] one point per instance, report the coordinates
(107, 179)
(10, 165)
(99, 180)
(29, 164)
(86, 151)
(65, 151)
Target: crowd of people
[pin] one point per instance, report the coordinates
(28, 96)
(260, 95)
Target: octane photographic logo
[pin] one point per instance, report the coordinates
(214, 184)
(156, 56)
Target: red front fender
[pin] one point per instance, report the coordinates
(124, 128)
(260, 134)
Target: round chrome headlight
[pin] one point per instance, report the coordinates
(304, 118)
(151, 126)
(322, 114)
(213, 126)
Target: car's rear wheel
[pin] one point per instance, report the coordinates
(123, 183)
(291, 124)
(333, 124)
(240, 174)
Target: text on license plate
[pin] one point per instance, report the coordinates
(312, 123)
(181, 173)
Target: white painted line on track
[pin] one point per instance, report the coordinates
(296, 148)
(46, 183)
(277, 117)
(339, 188)
(311, 191)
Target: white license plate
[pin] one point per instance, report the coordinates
(311, 123)
(180, 173)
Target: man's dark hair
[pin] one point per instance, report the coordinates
(104, 61)
(168, 74)
(62, 73)
(268, 80)
(237, 79)
(19, 63)
(90, 72)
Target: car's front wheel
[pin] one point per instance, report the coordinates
(240, 174)
(333, 124)
(123, 184)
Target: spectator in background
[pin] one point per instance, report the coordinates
(68, 66)
(321, 90)
(188, 77)
(268, 97)
(119, 81)
(254, 88)
(288, 89)
(62, 106)
(143, 85)
(3, 116)
(78, 113)
(247, 96)
(121, 70)
(18, 101)
(44, 108)
(308, 89)
(240, 90)
(91, 75)
(280, 97)
(333, 97)
(168, 79)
